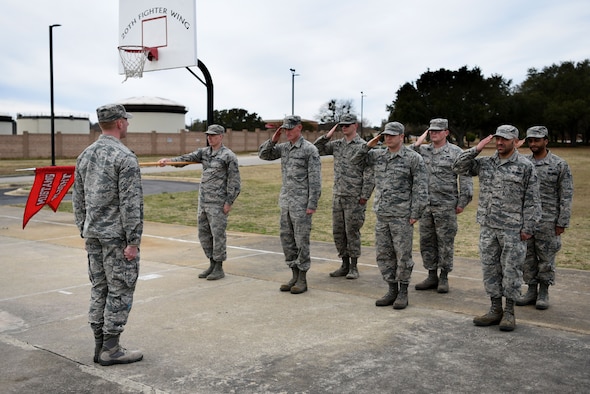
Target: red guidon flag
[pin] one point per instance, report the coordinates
(50, 187)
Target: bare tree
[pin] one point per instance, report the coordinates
(332, 111)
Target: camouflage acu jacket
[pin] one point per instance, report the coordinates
(349, 180)
(220, 181)
(107, 194)
(401, 181)
(508, 190)
(556, 188)
(301, 170)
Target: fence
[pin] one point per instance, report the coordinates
(38, 146)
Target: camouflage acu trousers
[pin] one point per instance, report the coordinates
(295, 234)
(438, 227)
(212, 225)
(348, 217)
(113, 280)
(393, 239)
(502, 258)
(539, 265)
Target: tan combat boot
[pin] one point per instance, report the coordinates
(343, 270)
(508, 322)
(113, 353)
(431, 282)
(494, 316)
(529, 298)
(542, 301)
(287, 286)
(389, 297)
(402, 298)
(301, 285)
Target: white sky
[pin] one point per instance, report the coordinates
(338, 48)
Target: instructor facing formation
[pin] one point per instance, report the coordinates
(108, 209)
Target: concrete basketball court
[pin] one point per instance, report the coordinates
(242, 335)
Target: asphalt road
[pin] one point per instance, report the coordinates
(150, 186)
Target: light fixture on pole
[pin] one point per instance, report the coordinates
(362, 97)
(51, 93)
(293, 75)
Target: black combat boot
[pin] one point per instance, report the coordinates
(529, 298)
(343, 270)
(217, 272)
(353, 272)
(402, 298)
(287, 286)
(206, 273)
(431, 282)
(390, 296)
(494, 316)
(301, 285)
(543, 298)
(508, 322)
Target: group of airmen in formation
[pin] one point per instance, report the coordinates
(524, 207)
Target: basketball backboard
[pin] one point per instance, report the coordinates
(168, 25)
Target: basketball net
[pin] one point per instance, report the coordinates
(133, 59)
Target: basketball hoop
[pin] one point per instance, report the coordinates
(133, 59)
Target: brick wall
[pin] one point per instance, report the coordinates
(38, 146)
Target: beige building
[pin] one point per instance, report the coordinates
(154, 114)
(41, 124)
(7, 124)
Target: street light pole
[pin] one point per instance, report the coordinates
(293, 75)
(51, 93)
(362, 97)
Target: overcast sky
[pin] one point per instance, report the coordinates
(338, 48)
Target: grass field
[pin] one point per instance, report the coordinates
(256, 209)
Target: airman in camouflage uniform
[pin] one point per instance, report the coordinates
(353, 186)
(301, 170)
(508, 212)
(108, 210)
(557, 190)
(401, 195)
(219, 188)
(448, 195)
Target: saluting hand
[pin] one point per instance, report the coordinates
(519, 143)
(484, 142)
(374, 141)
(332, 131)
(421, 139)
(277, 135)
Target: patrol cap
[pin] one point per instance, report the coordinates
(215, 129)
(393, 128)
(347, 119)
(438, 124)
(507, 131)
(112, 112)
(291, 121)
(537, 132)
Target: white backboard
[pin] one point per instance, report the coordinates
(169, 25)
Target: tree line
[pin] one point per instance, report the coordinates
(558, 97)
